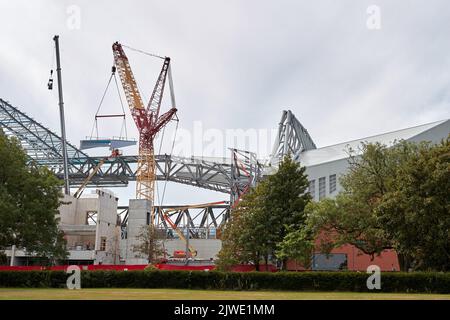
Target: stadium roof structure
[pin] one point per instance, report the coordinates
(340, 151)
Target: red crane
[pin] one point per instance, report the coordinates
(147, 119)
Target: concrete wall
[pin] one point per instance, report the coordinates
(72, 213)
(67, 210)
(206, 248)
(107, 228)
(80, 236)
(138, 211)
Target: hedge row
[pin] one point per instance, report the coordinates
(305, 281)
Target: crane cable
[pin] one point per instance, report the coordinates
(99, 106)
(143, 52)
(171, 151)
(161, 200)
(159, 152)
(124, 123)
(148, 54)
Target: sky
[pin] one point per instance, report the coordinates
(347, 69)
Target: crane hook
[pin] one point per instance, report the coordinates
(50, 81)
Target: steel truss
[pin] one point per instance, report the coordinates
(208, 174)
(292, 138)
(41, 144)
(44, 147)
(234, 175)
(202, 221)
(246, 171)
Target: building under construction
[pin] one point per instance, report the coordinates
(99, 231)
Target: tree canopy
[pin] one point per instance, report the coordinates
(29, 201)
(261, 219)
(393, 198)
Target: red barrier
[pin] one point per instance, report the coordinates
(90, 267)
(122, 267)
(180, 267)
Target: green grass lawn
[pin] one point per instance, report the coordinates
(154, 294)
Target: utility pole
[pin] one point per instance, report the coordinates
(61, 115)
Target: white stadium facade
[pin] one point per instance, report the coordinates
(324, 167)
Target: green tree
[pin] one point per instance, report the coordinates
(392, 198)
(29, 201)
(3, 259)
(285, 201)
(296, 245)
(150, 245)
(243, 236)
(261, 219)
(415, 212)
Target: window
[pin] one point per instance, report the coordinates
(312, 188)
(332, 183)
(322, 188)
(329, 262)
(148, 218)
(123, 233)
(102, 243)
(91, 218)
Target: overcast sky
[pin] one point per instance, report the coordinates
(236, 64)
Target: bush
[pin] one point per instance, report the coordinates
(33, 279)
(151, 267)
(3, 259)
(426, 282)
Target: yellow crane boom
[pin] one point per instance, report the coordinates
(80, 190)
(147, 120)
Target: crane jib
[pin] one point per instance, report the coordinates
(147, 120)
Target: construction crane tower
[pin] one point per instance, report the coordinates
(147, 119)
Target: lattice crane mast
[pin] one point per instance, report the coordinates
(147, 119)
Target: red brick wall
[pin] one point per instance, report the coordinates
(358, 261)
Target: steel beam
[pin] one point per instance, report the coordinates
(44, 148)
(292, 138)
(203, 221)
